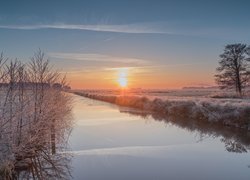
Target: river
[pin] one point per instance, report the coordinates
(116, 143)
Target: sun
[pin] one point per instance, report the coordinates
(122, 82)
(123, 77)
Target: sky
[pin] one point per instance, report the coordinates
(133, 43)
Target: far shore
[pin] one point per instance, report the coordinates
(225, 111)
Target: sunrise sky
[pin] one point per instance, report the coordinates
(114, 43)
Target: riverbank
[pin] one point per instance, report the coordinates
(114, 142)
(228, 112)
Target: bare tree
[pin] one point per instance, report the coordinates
(234, 67)
(34, 119)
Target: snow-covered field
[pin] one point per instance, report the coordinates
(210, 105)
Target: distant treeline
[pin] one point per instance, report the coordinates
(31, 85)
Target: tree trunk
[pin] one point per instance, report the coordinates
(53, 138)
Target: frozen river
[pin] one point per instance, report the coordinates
(114, 143)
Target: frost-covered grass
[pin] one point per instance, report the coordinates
(246, 95)
(228, 111)
(173, 93)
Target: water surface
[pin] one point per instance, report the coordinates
(114, 143)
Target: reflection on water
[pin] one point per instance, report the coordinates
(46, 166)
(236, 140)
(111, 142)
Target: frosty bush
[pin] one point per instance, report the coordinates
(34, 116)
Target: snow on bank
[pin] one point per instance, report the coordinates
(225, 111)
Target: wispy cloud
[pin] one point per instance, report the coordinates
(97, 58)
(166, 28)
(140, 28)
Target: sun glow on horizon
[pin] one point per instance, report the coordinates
(123, 82)
(123, 77)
